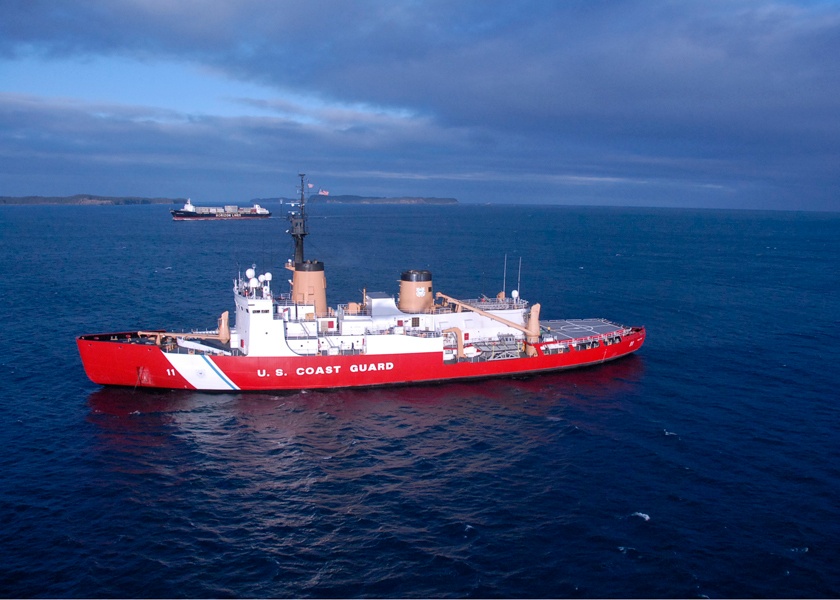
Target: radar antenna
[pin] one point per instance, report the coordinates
(298, 221)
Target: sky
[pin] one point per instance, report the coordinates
(671, 103)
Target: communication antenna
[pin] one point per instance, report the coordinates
(519, 276)
(504, 278)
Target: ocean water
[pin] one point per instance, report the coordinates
(706, 465)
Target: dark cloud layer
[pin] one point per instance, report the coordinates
(714, 103)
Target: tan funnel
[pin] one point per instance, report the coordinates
(416, 292)
(309, 286)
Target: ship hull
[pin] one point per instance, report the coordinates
(187, 216)
(109, 361)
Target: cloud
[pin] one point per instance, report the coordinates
(707, 102)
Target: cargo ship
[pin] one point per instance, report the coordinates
(190, 212)
(294, 341)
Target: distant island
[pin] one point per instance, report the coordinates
(92, 200)
(350, 199)
(88, 199)
(347, 199)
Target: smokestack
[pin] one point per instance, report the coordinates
(416, 291)
(309, 285)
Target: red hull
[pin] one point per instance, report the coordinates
(110, 362)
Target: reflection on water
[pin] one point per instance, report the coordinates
(296, 438)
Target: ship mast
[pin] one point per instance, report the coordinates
(298, 221)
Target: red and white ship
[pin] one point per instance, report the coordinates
(294, 341)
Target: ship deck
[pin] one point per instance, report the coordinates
(574, 329)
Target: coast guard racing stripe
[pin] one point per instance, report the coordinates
(201, 372)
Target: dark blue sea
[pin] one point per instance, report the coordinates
(706, 465)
